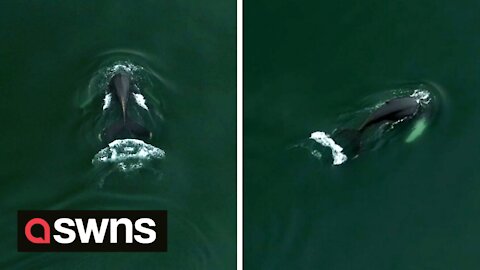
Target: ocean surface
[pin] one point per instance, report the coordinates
(411, 199)
(56, 58)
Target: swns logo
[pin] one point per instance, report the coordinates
(92, 231)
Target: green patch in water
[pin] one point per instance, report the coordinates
(417, 130)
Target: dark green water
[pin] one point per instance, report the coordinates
(50, 53)
(401, 206)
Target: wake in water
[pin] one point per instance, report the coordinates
(411, 108)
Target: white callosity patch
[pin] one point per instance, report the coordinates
(107, 100)
(140, 99)
(128, 154)
(322, 138)
(123, 66)
(422, 96)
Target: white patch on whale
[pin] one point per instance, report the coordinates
(128, 154)
(125, 66)
(421, 96)
(324, 139)
(107, 100)
(140, 99)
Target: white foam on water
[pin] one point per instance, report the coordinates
(128, 154)
(324, 139)
(316, 154)
(140, 99)
(107, 100)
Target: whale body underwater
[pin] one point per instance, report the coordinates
(120, 87)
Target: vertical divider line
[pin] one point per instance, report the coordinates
(239, 134)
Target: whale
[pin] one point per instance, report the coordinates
(392, 111)
(120, 87)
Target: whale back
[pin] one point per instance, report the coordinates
(120, 87)
(392, 111)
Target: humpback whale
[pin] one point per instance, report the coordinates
(120, 88)
(392, 111)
